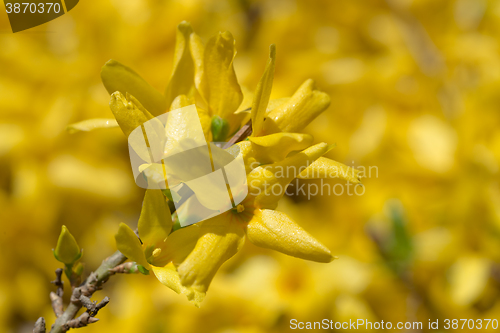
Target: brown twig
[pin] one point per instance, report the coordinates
(58, 282)
(100, 305)
(39, 326)
(57, 304)
(129, 267)
(83, 320)
(56, 297)
(241, 135)
(92, 306)
(87, 303)
(93, 283)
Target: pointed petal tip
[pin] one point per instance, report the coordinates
(325, 257)
(111, 62)
(226, 35)
(322, 147)
(272, 51)
(310, 83)
(185, 27)
(184, 24)
(107, 64)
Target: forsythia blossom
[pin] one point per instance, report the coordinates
(186, 259)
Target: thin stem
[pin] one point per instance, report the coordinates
(244, 132)
(39, 326)
(94, 282)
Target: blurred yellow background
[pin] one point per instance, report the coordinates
(415, 95)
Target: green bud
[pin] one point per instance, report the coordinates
(167, 194)
(220, 129)
(67, 250)
(142, 269)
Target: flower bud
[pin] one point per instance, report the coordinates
(220, 129)
(67, 250)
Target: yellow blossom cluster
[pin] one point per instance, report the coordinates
(413, 91)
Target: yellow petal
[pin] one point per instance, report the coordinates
(178, 245)
(275, 230)
(262, 150)
(275, 147)
(223, 93)
(247, 152)
(262, 93)
(183, 128)
(128, 114)
(169, 277)
(182, 79)
(197, 54)
(180, 102)
(295, 114)
(91, 124)
(206, 123)
(205, 120)
(274, 103)
(67, 250)
(268, 183)
(118, 77)
(220, 240)
(155, 175)
(128, 244)
(326, 168)
(155, 222)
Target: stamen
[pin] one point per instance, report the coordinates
(240, 208)
(156, 252)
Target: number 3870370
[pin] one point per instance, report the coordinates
(27, 7)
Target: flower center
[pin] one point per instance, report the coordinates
(156, 252)
(240, 208)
